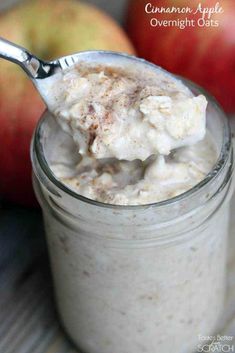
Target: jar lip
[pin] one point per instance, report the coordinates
(218, 167)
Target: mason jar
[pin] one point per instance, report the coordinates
(137, 279)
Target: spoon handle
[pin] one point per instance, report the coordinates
(33, 66)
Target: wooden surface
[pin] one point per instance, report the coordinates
(28, 322)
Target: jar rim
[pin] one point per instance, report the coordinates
(217, 168)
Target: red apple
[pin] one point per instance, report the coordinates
(204, 53)
(48, 28)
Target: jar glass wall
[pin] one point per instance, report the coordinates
(137, 278)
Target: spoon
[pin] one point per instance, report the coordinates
(39, 71)
(47, 75)
(34, 67)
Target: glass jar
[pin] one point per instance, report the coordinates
(137, 278)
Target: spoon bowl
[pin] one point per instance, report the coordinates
(39, 70)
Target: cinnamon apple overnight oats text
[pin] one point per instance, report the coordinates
(141, 136)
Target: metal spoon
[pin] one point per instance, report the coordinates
(34, 67)
(39, 71)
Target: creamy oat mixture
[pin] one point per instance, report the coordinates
(141, 136)
(146, 279)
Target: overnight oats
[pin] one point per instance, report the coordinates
(133, 171)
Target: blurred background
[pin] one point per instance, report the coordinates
(206, 54)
